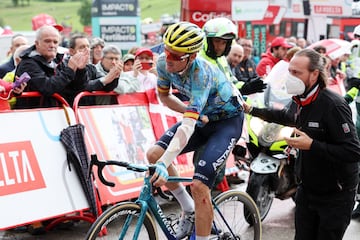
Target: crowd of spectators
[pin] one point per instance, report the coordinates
(96, 65)
(88, 64)
(91, 64)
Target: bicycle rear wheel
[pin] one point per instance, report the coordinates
(112, 222)
(232, 205)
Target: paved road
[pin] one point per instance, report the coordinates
(279, 224)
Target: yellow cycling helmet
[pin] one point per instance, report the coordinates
(184, 37)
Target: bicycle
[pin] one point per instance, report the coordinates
(137, 220)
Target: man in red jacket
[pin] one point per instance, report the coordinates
(273, 55)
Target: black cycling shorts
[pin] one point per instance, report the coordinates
(218, 139)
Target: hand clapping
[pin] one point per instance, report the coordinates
(79, 60)
(114, 72)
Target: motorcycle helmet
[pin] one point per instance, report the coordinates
(355, 42)
(356, 31)
(184, 37)
(222, 28)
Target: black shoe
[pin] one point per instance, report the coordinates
(66, 225)
(36, 228)
(234, 179)
(356, 212)
(22, 229)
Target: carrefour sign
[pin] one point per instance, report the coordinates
(198, 16)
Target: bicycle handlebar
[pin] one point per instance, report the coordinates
(133, 167)
(129, 166)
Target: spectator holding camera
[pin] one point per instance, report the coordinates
(142, 77)
(10, 76)
(7, 91)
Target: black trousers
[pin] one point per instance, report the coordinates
(323, 217)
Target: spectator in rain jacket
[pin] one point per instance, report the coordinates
(49, 74)
(277, 52)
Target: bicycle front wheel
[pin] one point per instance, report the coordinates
(229, 218)
(111, 224)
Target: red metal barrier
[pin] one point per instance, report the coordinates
(56, 96)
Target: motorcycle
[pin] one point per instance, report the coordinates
(270, 160)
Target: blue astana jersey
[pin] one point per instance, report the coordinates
(210, 93)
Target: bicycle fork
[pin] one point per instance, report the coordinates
(139, 222)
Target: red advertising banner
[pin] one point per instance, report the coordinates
(20, 170)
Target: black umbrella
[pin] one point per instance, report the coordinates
(72, 138)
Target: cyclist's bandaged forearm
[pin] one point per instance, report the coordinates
(179, 141)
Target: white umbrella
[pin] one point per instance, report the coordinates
(334, 47)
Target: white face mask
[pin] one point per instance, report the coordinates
(294, 85)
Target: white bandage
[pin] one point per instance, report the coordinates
(187, 127)
(179, 141)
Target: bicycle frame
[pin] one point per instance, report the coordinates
(147, 204)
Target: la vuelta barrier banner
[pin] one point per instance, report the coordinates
(20, 170)
(35, 181)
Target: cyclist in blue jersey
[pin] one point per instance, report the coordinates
(212, 119)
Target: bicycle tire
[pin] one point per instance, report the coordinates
(232, 205)
(114, 218)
